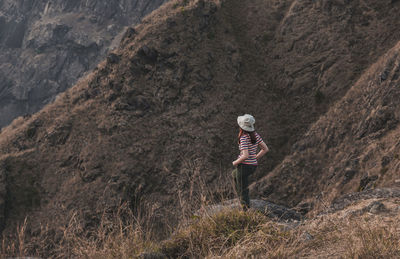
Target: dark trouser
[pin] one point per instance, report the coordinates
(241, 181)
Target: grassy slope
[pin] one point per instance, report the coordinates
(151, 123)
(357, 138)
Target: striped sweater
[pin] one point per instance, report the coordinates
(245, 143)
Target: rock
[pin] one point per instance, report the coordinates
(171, 23)
(152, 255)
(32, 128)
(149, 54)
(112, 58)
(129, 33)
(366, 182)
(385, 161)
(307, 236)
(347, 199)
(59, 135)
(270, 209)
(275, 211)
(384, 75)
(304, 207)
(348, 175)
(111, 28)
(376, 207)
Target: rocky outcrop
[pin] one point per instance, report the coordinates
(45, 46)
(271, 210)
(349, 199)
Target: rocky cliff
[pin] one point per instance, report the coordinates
(45, 46)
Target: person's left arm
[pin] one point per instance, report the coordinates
(263, 150)
(263, 147)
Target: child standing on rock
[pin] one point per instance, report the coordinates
(246, 163)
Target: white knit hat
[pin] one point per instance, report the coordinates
(246, 122)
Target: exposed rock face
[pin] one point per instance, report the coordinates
(45, 46)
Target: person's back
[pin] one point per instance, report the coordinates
(245, 143)
(247, 163)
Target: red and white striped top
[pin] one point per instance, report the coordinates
(245, 143)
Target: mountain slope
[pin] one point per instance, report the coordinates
(155, 123)
(45, 46)
(299, 57)
(122, 133)
(353, 147)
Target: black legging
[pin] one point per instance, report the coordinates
(241, 179)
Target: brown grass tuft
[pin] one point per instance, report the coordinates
(213, 234)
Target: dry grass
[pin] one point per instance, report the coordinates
(237, 234)
(365, 236)
(17, 247)
(227, 234)
(271, 240)
(118, 235)
(125, 233)
(213, 234)
(367, 241)
(368, 236)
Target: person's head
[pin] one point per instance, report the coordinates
(246, 125)
(246, 122)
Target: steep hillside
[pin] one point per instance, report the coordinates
(155, 123)
(45, 46)
(355, 146)
(299, 57)
(125, 132)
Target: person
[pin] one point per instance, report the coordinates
(246, 163)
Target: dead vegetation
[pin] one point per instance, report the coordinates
(363, 228)
(227, 234)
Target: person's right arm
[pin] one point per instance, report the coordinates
(243, 156)
(263, 151)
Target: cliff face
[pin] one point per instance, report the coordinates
(45, 46)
